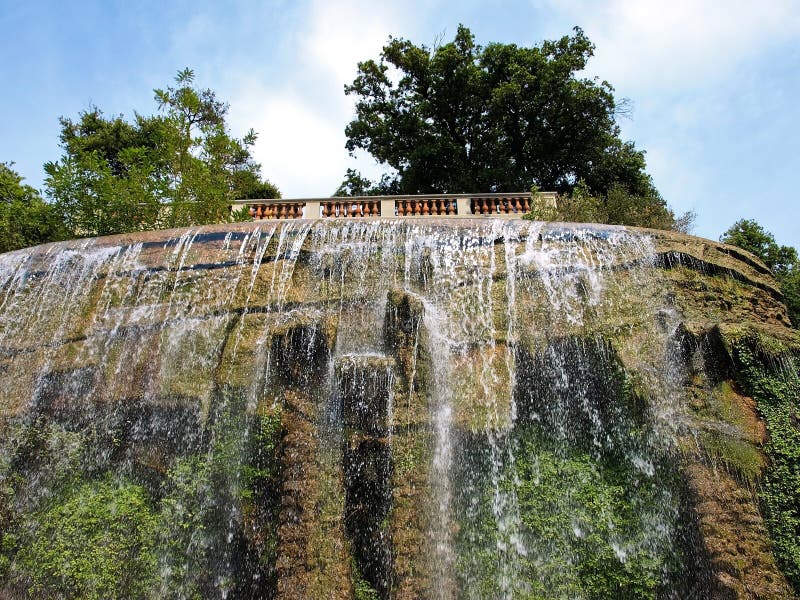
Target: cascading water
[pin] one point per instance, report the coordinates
(350, 409)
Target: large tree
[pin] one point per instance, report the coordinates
(178, 167)
(461, 118)
(25, 218)
(783, 260)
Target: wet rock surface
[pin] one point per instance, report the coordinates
(432, 409)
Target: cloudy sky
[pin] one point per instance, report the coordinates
(714, 84)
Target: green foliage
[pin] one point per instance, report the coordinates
(250, 187)
(178, 168)
(25, 218)
(67, 529)
(592, 527)
(783, 260)
(776, 389)
(597, 527)
(207, 496)
(93, 543)
(751, 236)
(739, 456)
(362, 590)
(93, 201)
(354, 184)
(617, 207)
(460, 117)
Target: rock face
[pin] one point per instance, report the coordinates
(417, 409)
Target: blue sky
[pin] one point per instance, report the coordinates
(714, 84)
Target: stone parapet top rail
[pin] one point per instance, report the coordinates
(509, 205)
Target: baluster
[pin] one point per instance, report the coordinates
(517, 205)
(269, 211)
(526, 203)
(290, 211)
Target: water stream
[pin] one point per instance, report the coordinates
(351, 409)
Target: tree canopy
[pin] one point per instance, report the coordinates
(25, 218)
(178, 167)
(783, 260)
(460, 117)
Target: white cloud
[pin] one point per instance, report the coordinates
(657, 44)
(343, 33)
(301, 122)
(299, 146)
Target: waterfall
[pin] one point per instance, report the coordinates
(368, 409)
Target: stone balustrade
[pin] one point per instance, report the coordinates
(275, 210)
(512, 205)
(351, 207)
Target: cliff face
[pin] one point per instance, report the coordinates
(432, 409)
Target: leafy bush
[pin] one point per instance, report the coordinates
(776, 389)
(95, 542)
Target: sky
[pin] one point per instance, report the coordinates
(713, 84)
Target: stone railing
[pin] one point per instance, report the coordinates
(424, 205)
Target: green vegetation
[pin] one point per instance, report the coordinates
(206, 497)
(599, 527)
(180, 167)
(590, 526)
(69, 528)
(362, 590)
(616, 207)
(501, 118)
(783, 260)
(25, 218)
(95, 542)
(774, 383)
